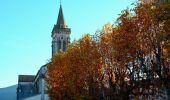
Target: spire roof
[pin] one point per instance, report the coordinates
(60, 21)
(61, 24)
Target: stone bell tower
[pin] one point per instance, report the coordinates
(60, 34)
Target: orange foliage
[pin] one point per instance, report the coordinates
(132, 55)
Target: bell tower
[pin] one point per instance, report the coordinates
(60, 34)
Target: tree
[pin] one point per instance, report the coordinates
(74, 74)
(130, 58)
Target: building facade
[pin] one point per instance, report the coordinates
(30, 86)
(25, 86)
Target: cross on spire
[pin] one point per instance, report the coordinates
(60, 2)
(60, 20)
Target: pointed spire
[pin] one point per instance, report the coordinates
(60, 24)
(60, 21)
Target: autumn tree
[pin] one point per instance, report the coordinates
(74, 74)
(130, 58)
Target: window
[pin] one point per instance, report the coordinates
(64, 45)
(59, 45)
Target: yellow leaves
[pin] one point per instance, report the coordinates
(87, 62)
(107, 28)
(71, 70)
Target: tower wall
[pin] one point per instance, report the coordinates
(60, 34)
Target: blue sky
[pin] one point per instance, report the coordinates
(26, 25)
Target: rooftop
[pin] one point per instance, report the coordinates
(26, 78)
